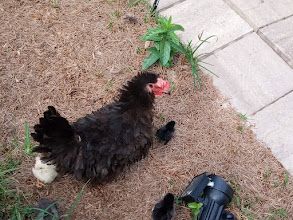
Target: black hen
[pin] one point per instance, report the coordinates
(166, 132)
(164, 209)
(101, 144)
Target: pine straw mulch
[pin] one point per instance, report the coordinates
(75, 57)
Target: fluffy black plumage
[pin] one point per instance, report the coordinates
(164, 209)
(166, 132)
(101, 144)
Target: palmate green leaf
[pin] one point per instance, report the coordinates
(151, 59)
(165, 50)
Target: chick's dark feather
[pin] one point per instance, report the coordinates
(166, 132)
(164, 209)
(46, 210)
(101, 144)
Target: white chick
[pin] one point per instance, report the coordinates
(44, 172)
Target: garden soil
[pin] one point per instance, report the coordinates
(75, 55)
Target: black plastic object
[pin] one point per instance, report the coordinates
(213, 192)
(155, 5)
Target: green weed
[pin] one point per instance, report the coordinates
(139, 50)
(286, 179)
(267, 174)
(55, 3)
(162, 117)
(194, 60)
(69, 212)
(243, 117)
(173, 85)
(178, 200)
(132, 3)
(195, 209)
(248, 213)
(110, 25)
(116, 14)
(11, 201)
(240, 128)
(167, 44)
(109, 85)
(280, 213)
(27, 140)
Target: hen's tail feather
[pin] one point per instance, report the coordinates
(51, 130)
(40, 149)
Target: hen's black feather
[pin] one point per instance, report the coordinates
(164, 209)
(101, 144)
(166, 132)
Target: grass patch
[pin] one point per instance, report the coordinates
(11, 200)
(69, 212)
(190, 53)
(27, 140)
(133, 3)
(279, 213)
(286, 179)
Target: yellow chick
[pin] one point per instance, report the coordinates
(44, 172)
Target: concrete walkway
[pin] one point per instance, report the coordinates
(253, 57)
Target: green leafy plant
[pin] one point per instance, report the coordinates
(166, 43)
(195, 209)
(27, 140)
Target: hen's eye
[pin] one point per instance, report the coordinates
(151, 85)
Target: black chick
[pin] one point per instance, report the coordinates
(166, 133)
(164, 209)
(44, 207)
